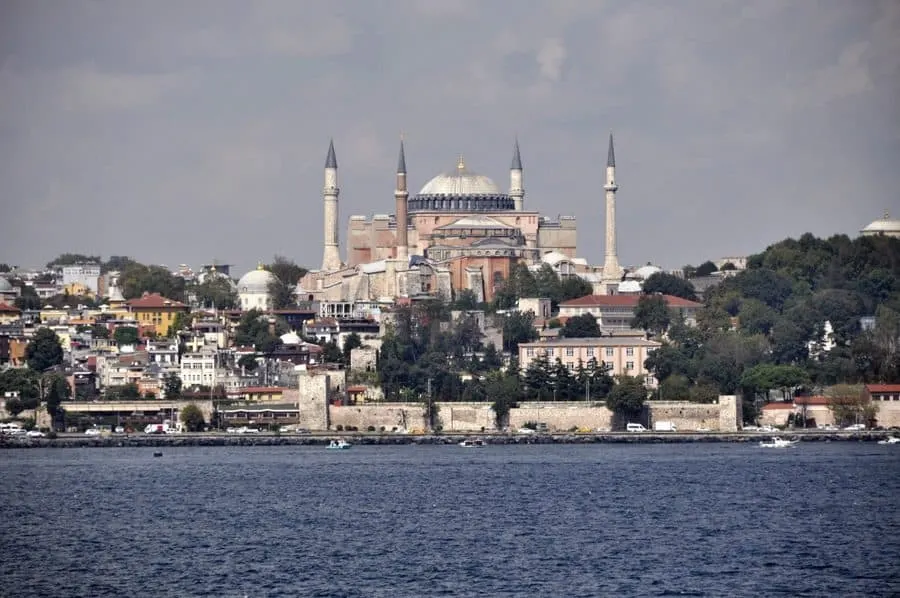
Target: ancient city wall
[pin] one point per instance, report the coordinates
(561, 416)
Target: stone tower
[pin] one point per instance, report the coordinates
(331, 259)
(516, 190)
(611, 268)
(401, 195)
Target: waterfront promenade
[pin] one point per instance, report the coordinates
(373, 439)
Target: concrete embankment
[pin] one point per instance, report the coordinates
(321, 439)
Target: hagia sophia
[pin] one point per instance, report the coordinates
(460, 231)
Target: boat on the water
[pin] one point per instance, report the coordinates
(157, 454)
(890, 440)
(476, 443)
(778, 443)
(338, 445)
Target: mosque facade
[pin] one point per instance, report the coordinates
(460, 231)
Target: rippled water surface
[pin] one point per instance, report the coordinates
(595, 520)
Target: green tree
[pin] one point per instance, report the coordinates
(216, 292)
(332, 353)
(465, 300)
(850, 405)
(518, 328)
(352, 341)
(181, 322)
(675, 388)
(44, 350)
(57, 390)
(24, 382)
(669, 284)
(248, 362)
(626, 399)
(538, 378)
(287, 275)
(705, 269)
(137, 279)
(192, 418)
(28, 300)
(253, 331)
(651, 314)
(71, 259)
(583, 326)
(99, 331)
(172, 386)
(126, 335)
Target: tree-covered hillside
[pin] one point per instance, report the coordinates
(775, 313)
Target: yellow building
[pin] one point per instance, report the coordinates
(153, 312)
(9, 313)
(78, 289)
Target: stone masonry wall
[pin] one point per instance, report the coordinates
(685, 416)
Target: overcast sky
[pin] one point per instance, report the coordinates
(179, 132)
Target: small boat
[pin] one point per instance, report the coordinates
(157, 453)
(890, 440)
(338, 445)
(778, 443)
(472, 443)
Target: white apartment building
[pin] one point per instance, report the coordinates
(198, 368)
(163, 352)
(86, 274)
(626, 355)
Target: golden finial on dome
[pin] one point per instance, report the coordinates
(260, 266)
(461, 164)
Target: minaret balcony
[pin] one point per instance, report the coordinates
(611, 187)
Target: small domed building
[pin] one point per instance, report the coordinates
(253, 289)
(884, 226)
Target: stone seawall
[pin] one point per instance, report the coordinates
(321, 440)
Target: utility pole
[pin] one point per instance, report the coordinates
(430, 406)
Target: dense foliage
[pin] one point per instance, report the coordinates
(764, 329)
(287, 275)
(522, 282)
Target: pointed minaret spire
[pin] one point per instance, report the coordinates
(517, 158)
(611, 153)
(331, 259)
(331, 160)
(516, 188)
(401, 215)
(401, 162)
(612, 272)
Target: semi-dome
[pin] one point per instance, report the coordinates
(5, 285)
(256, 281)
(883, 226)
(645, 272)
(461, 190)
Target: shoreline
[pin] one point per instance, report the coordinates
(321, 439)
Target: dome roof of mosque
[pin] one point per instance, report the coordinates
(884, 226)
(255, 281)
(460, 182)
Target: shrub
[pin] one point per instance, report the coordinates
(339, 428)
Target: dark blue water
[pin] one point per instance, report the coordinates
(598, 520)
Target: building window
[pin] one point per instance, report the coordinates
(609, 351)
(570, 365)
(629, 365)
(529, 352)
(590, 352)
(629, 352)
(570, 352)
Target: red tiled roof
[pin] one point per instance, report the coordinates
(777, 406)
(811, 400)
(356, 389)
(883, 387)
(623, 301)
(153, 301)
(9, 309)
(262, 389)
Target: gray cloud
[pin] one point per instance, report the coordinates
(177, 133)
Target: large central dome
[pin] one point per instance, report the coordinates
(461, 190)
(461, 182)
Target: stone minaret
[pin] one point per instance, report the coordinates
(611, 268)
(331, 260)
(401, 195)
(516, 190)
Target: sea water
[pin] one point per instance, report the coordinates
(819, 519)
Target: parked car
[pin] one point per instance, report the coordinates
(35, 434)
(92, 432)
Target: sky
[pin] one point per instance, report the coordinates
(186, 132)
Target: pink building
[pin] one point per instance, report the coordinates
(626, 355)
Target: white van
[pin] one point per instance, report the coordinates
(635, 428)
